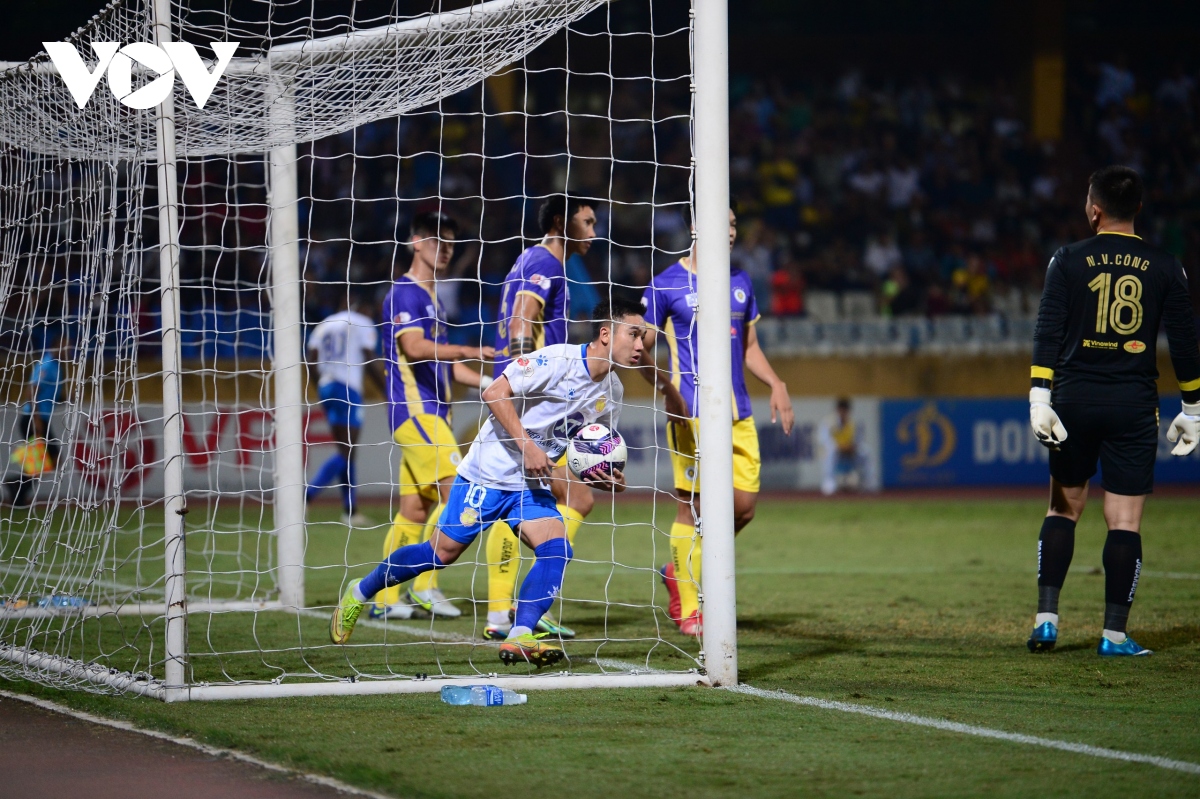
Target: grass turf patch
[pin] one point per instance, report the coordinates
(913, 606)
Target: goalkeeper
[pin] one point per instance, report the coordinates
(1094, 395)
(420, 365)
(670, 303)
(537, 405)
(533, 314)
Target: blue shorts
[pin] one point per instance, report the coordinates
(472, 508)
(343, 405)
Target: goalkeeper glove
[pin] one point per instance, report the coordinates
(1046, 425)
(1185, 429)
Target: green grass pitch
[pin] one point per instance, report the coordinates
(918, 606)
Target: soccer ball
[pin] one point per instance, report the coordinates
(596, 451)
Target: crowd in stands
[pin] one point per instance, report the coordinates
(928, 195)
(931, 193)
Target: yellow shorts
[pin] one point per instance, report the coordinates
(683, 440)
(428, 453)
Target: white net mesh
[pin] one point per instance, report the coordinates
(341, 72)
(393, 117)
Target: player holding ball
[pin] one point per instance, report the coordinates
(537, 405)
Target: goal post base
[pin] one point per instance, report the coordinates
(535, 682)
(124, 682)
(76, 670)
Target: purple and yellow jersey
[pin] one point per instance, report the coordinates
(414, 387)
(537, 273)
(670, 303)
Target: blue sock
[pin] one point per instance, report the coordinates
(400, 567)
(330, 470)
(543, 582)
(349, 495)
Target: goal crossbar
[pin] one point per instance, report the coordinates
(318, 71)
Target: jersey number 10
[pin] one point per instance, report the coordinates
(1127, 294)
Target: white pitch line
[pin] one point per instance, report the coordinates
(970, 729)
(212, 751)
(1174, 575)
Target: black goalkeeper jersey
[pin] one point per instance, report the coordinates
(1097, 327)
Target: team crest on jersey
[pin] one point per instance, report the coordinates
(739, 295)
(526, 366)
(541, 281)
(693, 300)
(468, 517)
(402, 318)
(1135, 347)
(600, 403)
(690, 473)
(455, 457)
(541, 360)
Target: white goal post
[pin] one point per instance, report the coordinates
(268, 103)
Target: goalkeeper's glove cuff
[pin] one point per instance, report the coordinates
(1192, 409)
(1039, 396)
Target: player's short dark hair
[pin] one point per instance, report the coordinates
(1117, 190)
(432, 223)
(613, 310)
(560, 205)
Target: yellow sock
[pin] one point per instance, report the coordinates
(402, 533)
(572, 519)
(503, 561)
(685, 553)
(428, 580)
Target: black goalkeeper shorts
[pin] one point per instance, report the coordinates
(1123, 439)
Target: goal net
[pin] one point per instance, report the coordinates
(162, 433)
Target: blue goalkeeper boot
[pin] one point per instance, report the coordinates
(1127, 648)
(1043, 638)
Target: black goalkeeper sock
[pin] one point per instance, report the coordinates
(1122, 567)
(1056, 547)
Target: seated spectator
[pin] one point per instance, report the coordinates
(920, 259)
(972, 286)
(787, 290)
(898, 296)
(1115, 84)
(868, 179)
(777, 176)
(881, 254)
(754, 253)
(1175, 91)
(903, 184)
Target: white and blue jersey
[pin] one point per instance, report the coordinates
(555, 396)
(343, 343)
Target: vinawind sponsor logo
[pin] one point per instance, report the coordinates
(1135, 347)
(118, 61)
(1099, 345)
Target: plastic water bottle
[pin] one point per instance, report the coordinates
(480, 695)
